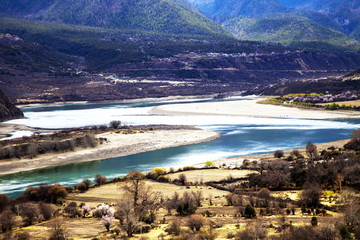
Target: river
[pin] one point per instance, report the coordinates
(239, 136)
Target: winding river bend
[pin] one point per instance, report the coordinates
(239, 136)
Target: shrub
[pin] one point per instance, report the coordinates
(264, 193)
(278, 154)
(163, 179)
(209, 164)
(81, 187)
(344, 232)
(100, 180)
(189, 168)
(103, 210)
(107, 221)
(46, 211)
(22, 236)
(206, 235)
(115, 124)
(149, 218)
(87, 182)
(332, 106)
(195, 223)
(29, 214)
(7, 220)
(31, 194)
(182, 179)
(159, 171)
(4, 202)
(207, 213)
(56, 192)
(185, 209)
(72, 210)
(174, 228)
(249, 211)
(85, 209)
(314, 221)
(310, 196)
(197, 196)
(58, 231)
(311, 151)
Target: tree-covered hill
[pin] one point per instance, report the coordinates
(265, 20)
(162, 16)
(285, 29)
(224, 9)
(343, 13)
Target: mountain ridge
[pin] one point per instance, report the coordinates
(342, 16)
(163, 16)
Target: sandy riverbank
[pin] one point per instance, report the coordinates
(237, 161)
(117, 145)
(250, 108)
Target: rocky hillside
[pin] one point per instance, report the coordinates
(7, 109)
(347, 83)
(47, 62)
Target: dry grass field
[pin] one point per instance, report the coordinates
(207, 175)
(111, 193)
(355, 103)
(225, 220)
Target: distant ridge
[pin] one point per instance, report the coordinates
(283, 28)
(334, 22)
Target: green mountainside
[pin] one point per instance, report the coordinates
(224, 9)
(332, 22)
(161, 16)
(284, 29)
(343, 13)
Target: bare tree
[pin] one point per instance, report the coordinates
(355, 135)
(58, 231)
(210, 199)
(99, 180)
(134, 185)
(182, 178)
(352, 214)
(28, 213)
(198, 196)
(144, 199)
(126, 212)
(310, 195)
(172, 202)
(311, 150)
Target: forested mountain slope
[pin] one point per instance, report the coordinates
(161, 16)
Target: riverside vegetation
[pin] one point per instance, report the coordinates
(305, 195)
(61, 141)
(315, 100)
